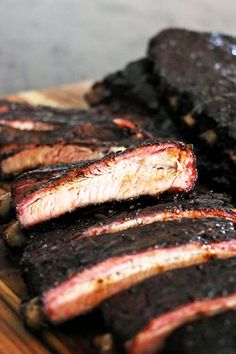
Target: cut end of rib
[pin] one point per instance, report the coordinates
(148, 169)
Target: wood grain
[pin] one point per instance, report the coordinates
(14, 337)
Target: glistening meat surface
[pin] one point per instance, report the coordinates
(146, 314)
(73, 276)
(147, 169)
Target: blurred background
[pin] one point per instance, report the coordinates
(46, 43)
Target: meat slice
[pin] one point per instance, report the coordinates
(215, 334)
(147, 169)
(111, 218)
(73, 276)
(146, 314)
(31, 157)
(200, 93)
(35, 137)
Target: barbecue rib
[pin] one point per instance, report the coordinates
(201, 93)
(215, 334)
(31, 157)
(147, 169)
(73, 276)
(96, 128)
(145, 315)
(31, 137)
(111, 218)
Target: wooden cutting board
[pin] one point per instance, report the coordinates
(74, 337)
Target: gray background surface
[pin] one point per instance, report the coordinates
(51, 42)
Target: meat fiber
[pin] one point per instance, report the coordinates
(146, 314)
(73, 276)
(200, 93)
(215, 334)
(147, 169)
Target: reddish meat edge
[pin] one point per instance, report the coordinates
(28, 124)
(152, 338)
(149, 169)
(149, 218)
(85, 290)
(45, 155)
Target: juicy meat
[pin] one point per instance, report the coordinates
(146, 314)
(200, 93)
(29, 181)
(73, 276)
(147, 169)
(111, 218)
(31, 157)
(215, 334)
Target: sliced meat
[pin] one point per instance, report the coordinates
(194, 206)
(215, 334)
(111, 218)
(32, 157)
(73, 276)
(145, 315)
(148, 169)
(200, 93)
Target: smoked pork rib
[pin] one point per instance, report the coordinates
(215, 334)
(32, 157)
(111, 218)
(147, 169)
(200, 93)
(43, 118)
(145, 315)
(91, 129)
(73, 276)
(79, 135)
